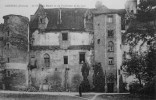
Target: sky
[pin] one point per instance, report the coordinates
(28, 7)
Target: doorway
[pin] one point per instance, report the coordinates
(110, 87)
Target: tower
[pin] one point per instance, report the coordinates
(131, 6)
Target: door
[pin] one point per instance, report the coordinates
(110, 87)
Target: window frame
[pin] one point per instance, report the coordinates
(112, 33)
(110, 46)
(8, 33)
(80, 58)
(65, 60)
(110, 61)
(8, 45)
(8, 59)
(42, 20)
(8, 73)
(47, 60)
(98, 41)
(110, 18)
(64, 36)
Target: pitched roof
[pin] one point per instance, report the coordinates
(108, 11)
(68, 18)
(63, 18)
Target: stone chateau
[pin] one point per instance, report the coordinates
(48, 51)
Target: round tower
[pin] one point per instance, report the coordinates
(131, 6)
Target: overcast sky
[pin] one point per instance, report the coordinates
(28, 7)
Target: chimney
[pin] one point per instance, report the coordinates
(98, 4)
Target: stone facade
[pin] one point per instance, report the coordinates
(99, 28)
(16, 76)
(57, 49)
(60, 39)
(107, 44)
(15, 51)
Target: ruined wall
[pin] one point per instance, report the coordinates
(15, 38)
(15, 51)
(16, 76)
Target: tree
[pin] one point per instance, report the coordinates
(141, 65)
(151, 65)
(98, 78)
(136, 65)
(122, 85)
(141, 28)
(146, 10)
(85, 72)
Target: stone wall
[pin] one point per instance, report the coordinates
(68, 75)
(15, 51)
(55, 38)
(15, 38)
(101, 45)
(59, 76)
(15, 79)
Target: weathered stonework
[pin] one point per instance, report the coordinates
(60, 41)
(15, 51)
(16, 78)
(103, 53)
(64, 70)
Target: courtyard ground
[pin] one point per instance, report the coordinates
(18, 95)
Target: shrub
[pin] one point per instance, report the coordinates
(149, 89)
(98, 78)
(135, 87)
(55, 83)
(76, 80)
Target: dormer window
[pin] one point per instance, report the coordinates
(110, 18)
(41, 20)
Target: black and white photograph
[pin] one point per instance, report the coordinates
(77, 49)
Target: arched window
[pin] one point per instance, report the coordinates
(47, 60)
(110, 46)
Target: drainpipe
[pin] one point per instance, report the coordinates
(27, 77)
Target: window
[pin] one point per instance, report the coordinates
(42, 20)
(110, 18)
(65, 59)
(98, 41)
(119, 72)
(110, 33)
(8, 33)
(32, 60)
(64, 36)
(7, 45)
(8, 74)
(111, 61)
(81, 57)
(47, 60)
(110, 46)
(8, 60)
